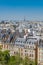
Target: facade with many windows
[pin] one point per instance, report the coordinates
(29, 49)
(40, 52)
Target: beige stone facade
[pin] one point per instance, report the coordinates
(23, 51)
(40, 56)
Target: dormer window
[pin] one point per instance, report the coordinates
(30, 42)
(21, 41)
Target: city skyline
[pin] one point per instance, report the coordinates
(18, 9)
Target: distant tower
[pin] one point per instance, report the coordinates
(24, 18)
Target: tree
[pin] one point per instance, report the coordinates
(28, 61)
(6, 59)
(1, 55)
(6, 56)
(12, 60)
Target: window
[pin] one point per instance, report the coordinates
(28, 46)
(21, 41)
(30, 55)
(30, 42)
(21, 49)
(7, 46)
(25, 50)
(21, 54)
(14, 52)
(26, 54)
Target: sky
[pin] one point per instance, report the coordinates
(20, 9)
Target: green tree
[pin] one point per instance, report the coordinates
(1, 54)
(28, 61)
(6, 56)
(6, 59)
(12, 60)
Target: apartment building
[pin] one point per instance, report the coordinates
(40, 52)
(27, 47)
(21, 46)
(13, 49)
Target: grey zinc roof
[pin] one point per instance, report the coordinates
(40, 43)
(31, 41)
(21, 39)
